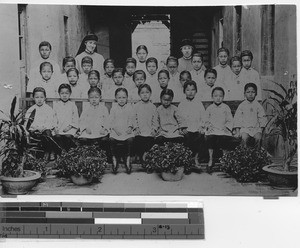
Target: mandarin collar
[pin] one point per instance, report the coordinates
(218, 106)
(88, 52)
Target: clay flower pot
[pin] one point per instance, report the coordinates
(282, 179)
(81, 180)
(169, 176)
(20, 185)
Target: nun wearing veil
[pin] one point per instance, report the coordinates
(88, 47)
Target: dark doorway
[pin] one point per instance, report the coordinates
(184, 22)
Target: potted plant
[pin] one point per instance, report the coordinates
(283, 122)
(169, 159)
(15, 147)
(245, 164)
(83, 164)
(37, 164)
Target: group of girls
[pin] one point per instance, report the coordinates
(90, 69)
(134, 128)
(137, 127)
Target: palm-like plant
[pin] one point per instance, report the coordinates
(283, 119)
(14, 138)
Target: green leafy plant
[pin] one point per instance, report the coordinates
(10, 166)
(283, 119)
(14, 139)
(36, 164)
(168, 158)
(16, 144)
(245, 164)
(86, 161)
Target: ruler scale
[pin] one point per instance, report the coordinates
(73, 220)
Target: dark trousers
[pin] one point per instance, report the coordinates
(161, 139)
(102, 143)
(66, 142)
(250, 141)
(222, 142)
(121, 148)
(45, 141)
(195, 141)
(142, 144)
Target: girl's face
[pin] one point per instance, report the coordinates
(210, 79)
(118, 78)
(218, 97)
(247, 62)
(151, 68)
(223, 57)
(64, 95)
(46, 72)
(163, 80)
(86, 67)
(109, 68)
(90, 46)
(183, 78)
(45, 52)
(72, 77)
(236, 67)
(121, 98)
(166, 101)
(130, 68)
(142, 55)
(190, 92)
(187, 51)
(145, 94)
(139, 79)
(68, 66)
(197, 63)
(94, 98)
(93, 80)
(250, 94)
(39, 98)
(172, 67)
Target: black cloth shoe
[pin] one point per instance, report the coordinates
(115, 165)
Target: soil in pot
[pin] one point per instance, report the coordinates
(20, 185)
(168, 176)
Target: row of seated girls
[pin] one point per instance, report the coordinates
(136, 127)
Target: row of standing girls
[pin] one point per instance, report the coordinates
(137, 127)
(89, 68)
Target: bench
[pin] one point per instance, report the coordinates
(25, 103)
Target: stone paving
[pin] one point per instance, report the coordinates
(141, 183)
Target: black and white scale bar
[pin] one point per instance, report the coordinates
(101, 220)
(110, 231)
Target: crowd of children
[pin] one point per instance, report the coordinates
(132, 127)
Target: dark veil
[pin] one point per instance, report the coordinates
(82, 45)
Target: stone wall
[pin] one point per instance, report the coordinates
(9, 55)
(46, 22)
(285, 43)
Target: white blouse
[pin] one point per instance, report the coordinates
(145, 118)
(96, 119)
(44, 117)
(250, 117)
(66, 115)
(121, 119)
(193, 113)
(219, 120)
